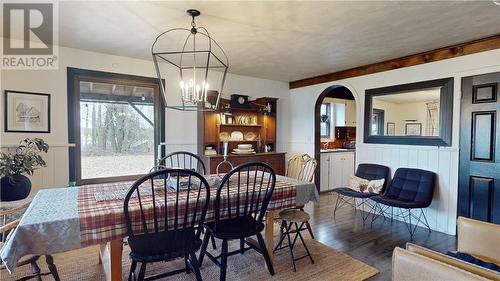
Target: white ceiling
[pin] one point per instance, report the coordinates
(283, 40)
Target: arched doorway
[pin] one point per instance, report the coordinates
(336, 92)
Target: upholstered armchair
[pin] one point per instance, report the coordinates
(479, 239)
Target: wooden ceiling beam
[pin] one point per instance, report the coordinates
(462, 49)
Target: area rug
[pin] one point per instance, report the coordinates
(329, 264)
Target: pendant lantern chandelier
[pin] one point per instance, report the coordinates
(190, 64)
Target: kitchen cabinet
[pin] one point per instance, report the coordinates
(324, 167)
(336, 169)
(350, 113)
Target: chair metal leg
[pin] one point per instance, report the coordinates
(223, 261)
(382, 209)
(336, 205)
(425, 218)
(290, 245)
(131, 275)
(196, 268)
(369, 211)
(363, 214)
(282, 227)
(375, 215)
(52, 267)
(308, 225)
(408, 223)
(409, 219)
(282, 236)
(304, 244)
(263, 248)
(142, 272)
(419, 220)
(204, 248)
(35, 269)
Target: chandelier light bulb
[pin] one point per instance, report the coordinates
(192, 63)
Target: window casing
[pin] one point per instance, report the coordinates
(116, 121)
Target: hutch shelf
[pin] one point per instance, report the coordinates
(230, 124)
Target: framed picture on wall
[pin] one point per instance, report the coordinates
(391, 129)
(413, 129)
(27, 112)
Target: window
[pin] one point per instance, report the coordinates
(118, 126)
(325, 119)
(378, 122)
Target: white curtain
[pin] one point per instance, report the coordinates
(432, 119)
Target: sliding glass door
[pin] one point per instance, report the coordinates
(117, 126)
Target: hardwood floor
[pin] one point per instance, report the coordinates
(370, 244)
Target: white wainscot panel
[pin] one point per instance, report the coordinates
(56, 174)
(441, 214)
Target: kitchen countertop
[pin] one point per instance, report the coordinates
(337, 150)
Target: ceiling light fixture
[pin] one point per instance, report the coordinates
(195, 65)
(497, 2)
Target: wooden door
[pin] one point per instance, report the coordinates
(479, 176)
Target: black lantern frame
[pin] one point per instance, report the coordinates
(211, 59)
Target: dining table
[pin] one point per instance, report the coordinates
(65, 219)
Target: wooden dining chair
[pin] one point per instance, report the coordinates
(164, 214)
(302, 167)
(183, 160)
(243, 196)
(7, 225)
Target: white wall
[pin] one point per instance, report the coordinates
(442, 160)
(398, 113)
(180, 126)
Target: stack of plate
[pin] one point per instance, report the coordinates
(244, 149)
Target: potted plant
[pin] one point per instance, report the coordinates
(13, 184)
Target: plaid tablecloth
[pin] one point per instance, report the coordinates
(102, 221)
(63, 219)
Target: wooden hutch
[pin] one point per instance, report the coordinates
(248, 119)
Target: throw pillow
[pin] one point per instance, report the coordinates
(362, 185)
(375, 186)
(357, 184)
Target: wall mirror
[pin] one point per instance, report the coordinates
(413, 114)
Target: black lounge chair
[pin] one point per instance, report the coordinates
(368, 172)
(409, 189)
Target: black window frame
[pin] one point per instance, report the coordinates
(328, 122)
(74, 77)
